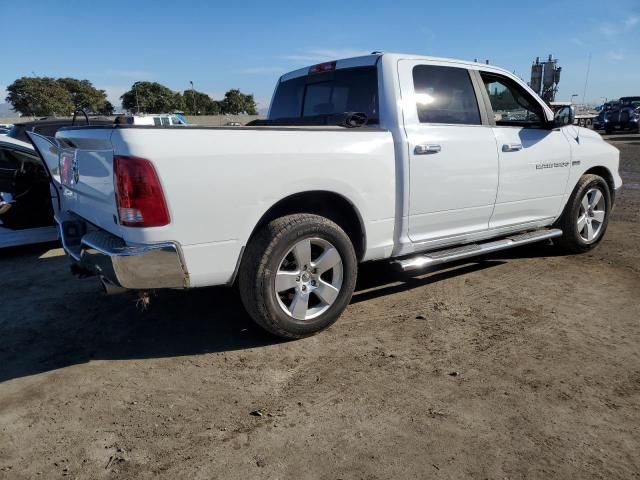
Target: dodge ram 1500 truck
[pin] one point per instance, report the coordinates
(445, 160)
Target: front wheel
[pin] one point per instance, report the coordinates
(586, 215)
(298, 275)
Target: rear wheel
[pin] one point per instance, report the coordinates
(298, 275)
(586, 215)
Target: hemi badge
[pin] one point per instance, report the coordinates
(575, 162)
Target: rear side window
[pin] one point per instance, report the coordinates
(445, 95)
(156, 121)
(165, 121)
(339, 91)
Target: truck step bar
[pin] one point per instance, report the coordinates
(460, 253)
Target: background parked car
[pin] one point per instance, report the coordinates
(158, 120)
(598, 122)
(624, 117)
(26, 207)
(49, 126)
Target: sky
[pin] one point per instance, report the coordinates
(248, 44)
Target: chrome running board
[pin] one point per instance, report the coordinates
(460, 253)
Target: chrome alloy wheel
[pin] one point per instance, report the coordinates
(309, 278)
(591, 215)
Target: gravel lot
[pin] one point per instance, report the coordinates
(524, 364)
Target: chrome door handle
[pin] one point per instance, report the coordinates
(511, 147)
(426, 149)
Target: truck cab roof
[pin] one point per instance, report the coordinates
(372, 59)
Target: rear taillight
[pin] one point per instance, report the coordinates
(139, 195)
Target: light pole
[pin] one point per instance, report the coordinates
(193, 90)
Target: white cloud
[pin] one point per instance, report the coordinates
(611, 30)
(615, 55)
(323, 55)
(631, 21)
(608, 29)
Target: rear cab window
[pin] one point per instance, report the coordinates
(332, 92)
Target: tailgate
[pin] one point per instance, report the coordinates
(84, 173)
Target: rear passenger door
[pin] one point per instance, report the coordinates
(453, 158)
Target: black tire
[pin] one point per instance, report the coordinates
(572, 240)
(262, 259)
(608, 131)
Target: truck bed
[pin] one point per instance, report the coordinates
(219, 181)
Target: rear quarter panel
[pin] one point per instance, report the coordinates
(219, 182)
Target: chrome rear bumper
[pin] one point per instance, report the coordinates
(136, 267)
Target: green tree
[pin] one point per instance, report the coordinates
(235, 102)
(199, 103)
(107, 109)
(151, 97)
(84, 95)
(39, 96)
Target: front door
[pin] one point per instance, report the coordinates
(535, 159)
(453, 158)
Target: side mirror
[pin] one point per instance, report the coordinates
(565, 116)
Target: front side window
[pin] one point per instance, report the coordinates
(511, 104)
(445, 95)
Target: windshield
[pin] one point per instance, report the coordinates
(339, 91)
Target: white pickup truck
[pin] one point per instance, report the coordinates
(455, 159)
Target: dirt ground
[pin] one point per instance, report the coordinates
(519, 365)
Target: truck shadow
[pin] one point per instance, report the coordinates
(51, 320)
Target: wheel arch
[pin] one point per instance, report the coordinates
(331, 205)
(606, 174)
